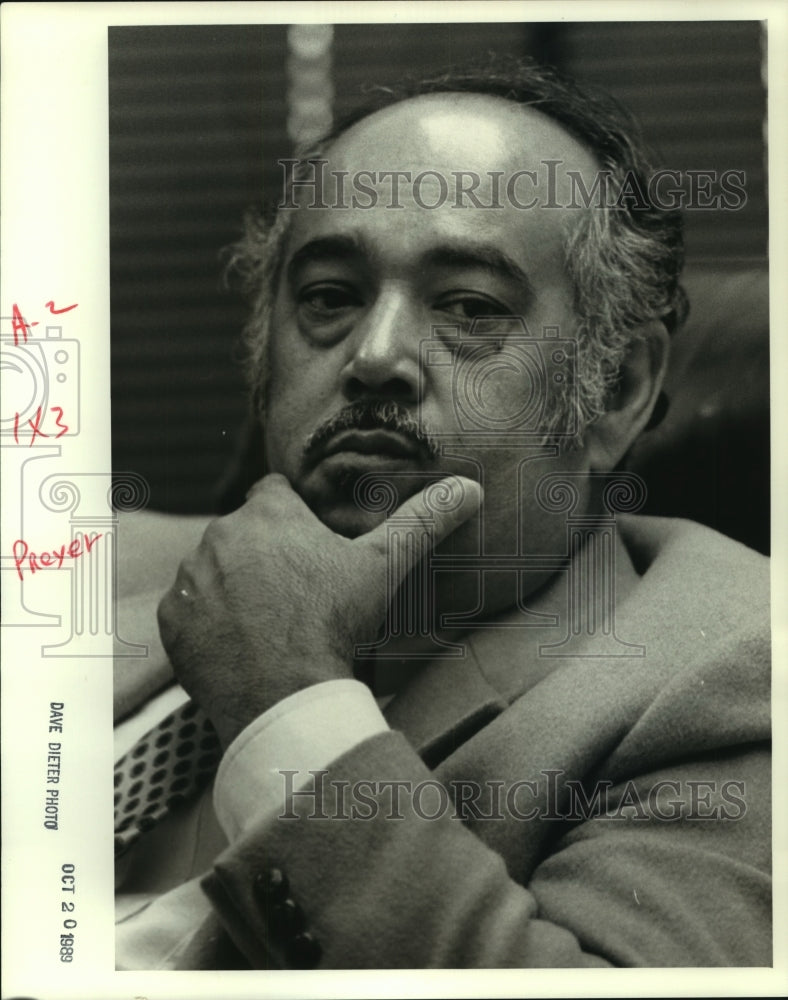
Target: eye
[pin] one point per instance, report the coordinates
(325, 302)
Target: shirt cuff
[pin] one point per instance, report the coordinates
(304, 732)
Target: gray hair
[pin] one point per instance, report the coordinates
(624, 256)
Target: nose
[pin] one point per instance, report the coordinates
(385, 351)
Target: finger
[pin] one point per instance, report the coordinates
(269, 483)
(434, 513)
(271, 496)
(443, 506)
(274, 500)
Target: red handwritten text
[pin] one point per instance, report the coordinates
(35, 425)
(31, 561)
(56, 312)
(18, 324)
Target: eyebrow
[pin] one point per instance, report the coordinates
(326, 248)
(483, 256)
(457, 255)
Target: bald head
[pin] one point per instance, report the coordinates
(450, 150)
(465, 130)
(503, 158)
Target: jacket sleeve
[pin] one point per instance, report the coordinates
(345, 877)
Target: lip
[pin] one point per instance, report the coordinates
(378, 442)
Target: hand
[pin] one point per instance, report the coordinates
(273, 601)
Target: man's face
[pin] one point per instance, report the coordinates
(362, 288)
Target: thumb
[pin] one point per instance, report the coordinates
(425, 520)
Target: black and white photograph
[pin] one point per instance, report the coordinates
(393, 508)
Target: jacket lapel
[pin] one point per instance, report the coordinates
(443, 705)
(446, 702)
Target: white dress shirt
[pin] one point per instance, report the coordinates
(302, 733)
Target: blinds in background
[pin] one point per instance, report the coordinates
(696, 89)
(198, 120)
(195, 116)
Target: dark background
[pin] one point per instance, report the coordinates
(198, 121)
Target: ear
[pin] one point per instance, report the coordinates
(629, 408)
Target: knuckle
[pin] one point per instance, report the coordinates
(268, 496)
(275, 480)
(274, 484)
(215, 533)
(184, 578)
(217, 541)
(256, 488)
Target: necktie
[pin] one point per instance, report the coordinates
(172, 762)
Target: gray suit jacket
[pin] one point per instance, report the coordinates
(650, 845)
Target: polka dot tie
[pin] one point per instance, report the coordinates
(172, 762)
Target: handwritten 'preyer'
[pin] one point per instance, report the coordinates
(55, 558)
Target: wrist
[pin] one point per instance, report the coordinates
(230, 716)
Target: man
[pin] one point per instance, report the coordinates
(569, 767)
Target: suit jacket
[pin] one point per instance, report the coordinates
(650, 845)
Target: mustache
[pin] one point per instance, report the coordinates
(372, 415)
